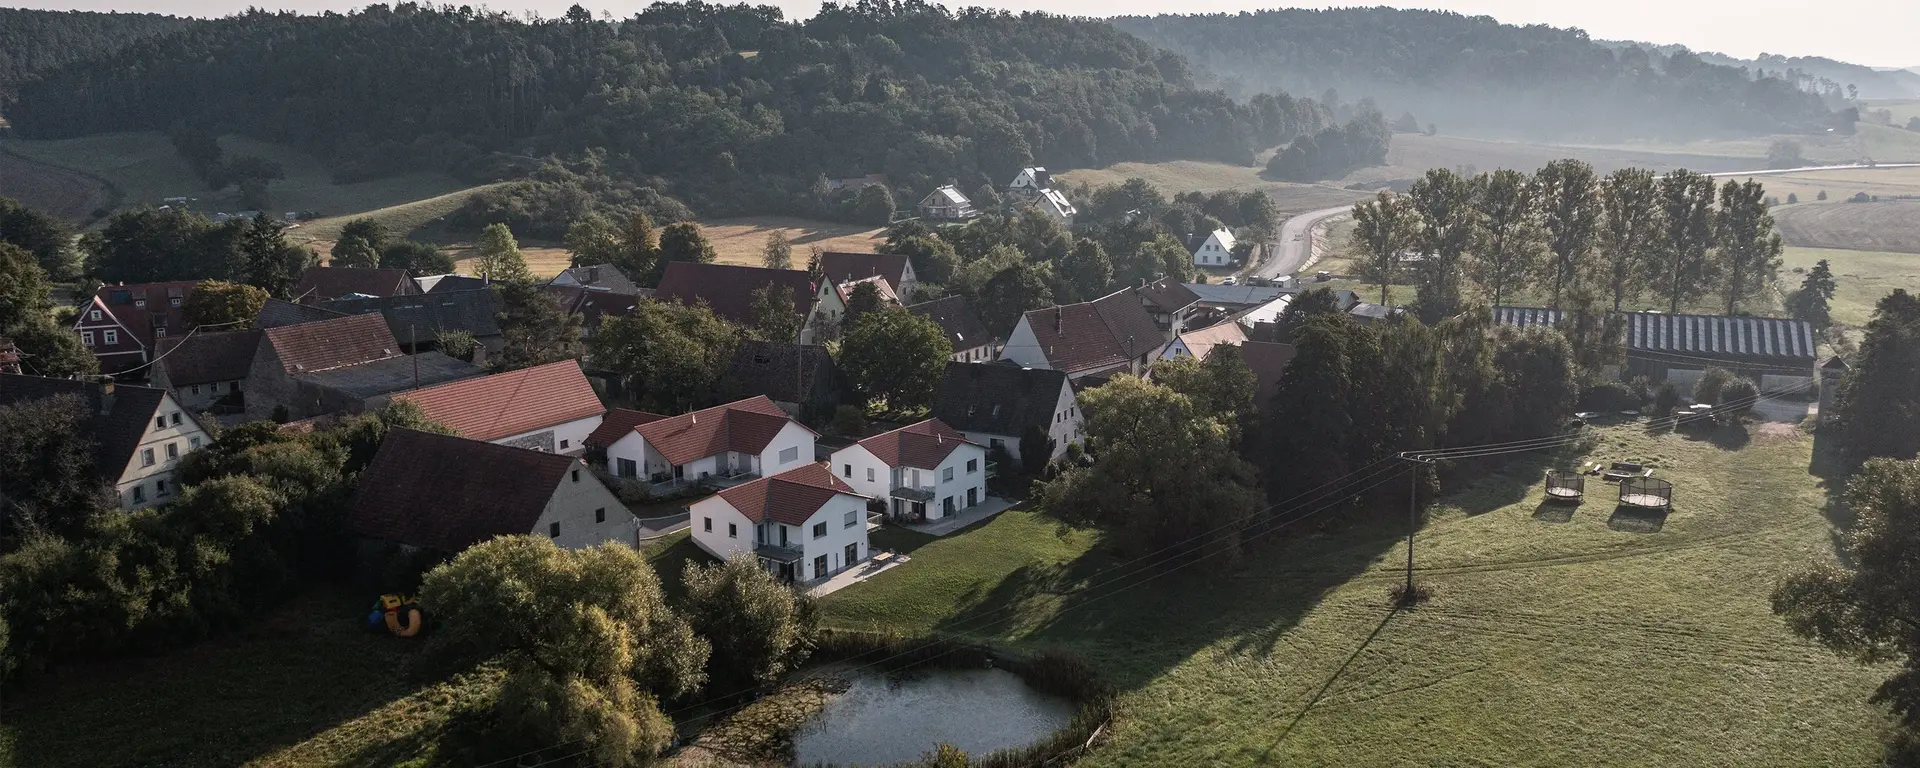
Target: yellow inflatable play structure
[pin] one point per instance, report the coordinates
(400, 614)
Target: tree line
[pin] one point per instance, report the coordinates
(1476, 75)
(1582, 241)
(728, 108)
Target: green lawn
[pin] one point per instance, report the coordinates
(1583, 642)
(1863, 277)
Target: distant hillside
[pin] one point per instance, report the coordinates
(36, 41)
(1870, 83)
(1476, 76)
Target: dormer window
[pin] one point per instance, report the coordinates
(174, 301)
(94, 315)
(140, 302)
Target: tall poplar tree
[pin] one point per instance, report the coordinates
(1680, 268)
(1570, 210)
(1629, 230)
(1749, 248)
(1449, 225)
(1509, 245)
(1382, 228)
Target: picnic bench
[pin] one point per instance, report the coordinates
(1622, 470)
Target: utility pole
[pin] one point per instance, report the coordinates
(1413, 514)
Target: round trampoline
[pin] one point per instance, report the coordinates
(1646, 493)
(1565, 485)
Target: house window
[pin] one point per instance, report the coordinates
(159, 333)
(564, 444)
(139, 494)
(819, 530)
(946, 475)
(112, 336)
(576, 475)
(869, 474)
(789, 455)
(994, 442)
(733, 531)
(174, 301)
(159, 487)
(94, 315)
(176, 418)
(86, 337)
(196, 389)
(553, 530)
(706, 523)
(173, 451)
(600, 515)
(193, 443)
(146, 457)
(820, 566)
(852, 518)
(973, 465)
(846, 470)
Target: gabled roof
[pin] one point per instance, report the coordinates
(956, 319)
(393, 374)
(1168, 295)
(511, 403)
(922, 444)
(204, 358)
(605, 276)
(1202, 341)
(997, 398)
(728, 288)
(841, 266)
(1092, 335)
(330, 344)
(1694, 335)
(144, 307)
(947, 195)
(327, 283)
(784, 373)
(791, 497)
(448, 282)
(1057, 202)
(424, 316)
(448, 493)
(1235, 295)
(1267, 360)
(618, 423)
(116, 432)
(275, 313)
(746, 426)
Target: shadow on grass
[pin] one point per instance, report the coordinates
(1328, 686)
(897, 539)
(1555, 511)
(1726, 437)
(1637, 520)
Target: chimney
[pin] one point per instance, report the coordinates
(695, 417)
(1056, 318)
(106, 397)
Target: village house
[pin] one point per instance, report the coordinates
(721, 446)
(997, 405)
(1778, 353)
(971, 340)
(349, 363)
(925, 470)
(1173, 305)
(417, 320)
(122, 324)
(843, 267)
(1198, 343)
(600, 277)
(203, 370)
(319, 284)
(728, 290)
(846, 288)
(9, 356)
(803, 524)
(550, 408)
(1235, 298)
(800, 378)
(947, 204)
(1109, 335)
(139, 433)
(1034, 187)
(444, 493)
(1214, 249)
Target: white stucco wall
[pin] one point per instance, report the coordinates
(573, 505)
(963, 480)
(709, 518)
(1024, 348)
(634, 447)
(859, 468)
(1066, 426)
(573, 434)
(149, 478)
(839, 533)
(791, 436)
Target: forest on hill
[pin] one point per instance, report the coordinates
(1812, 72)
(37, 41)
(1476, 76)
(728, 108)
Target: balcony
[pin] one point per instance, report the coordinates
(993, 469)
(921, 493)
(788, 553)
(736, 477)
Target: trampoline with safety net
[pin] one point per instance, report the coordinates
(1646, 493)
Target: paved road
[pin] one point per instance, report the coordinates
(1779, 171)
(1294, 246)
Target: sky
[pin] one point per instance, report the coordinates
(1871, 32)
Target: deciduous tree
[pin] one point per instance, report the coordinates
(778, 252)
(864, 298)
(417, 258)
(359, 244)
(1682, 270)
(1629, 231)
(1449, 225)
(229, 305)
(671, 356)
(534, 329)
(1013, 292)
(1749, 248)
(1570, 211)
(896, 355)
(1510, 240)
(26, 317)
(771, 314)
(682, 242)
(1086, 271)
(499, 257)
(1383, 227)
(760, 629)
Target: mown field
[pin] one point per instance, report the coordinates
(60, 192)
(1863, 278)
(1890, 226)
(1554, 637)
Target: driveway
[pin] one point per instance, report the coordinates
(1290, 252)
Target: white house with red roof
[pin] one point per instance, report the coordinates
(550, 408)
(803, 524)
(123, 324)
(925, 471)
(723, 445)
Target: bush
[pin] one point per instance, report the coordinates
(1611, 396)
(1737, 398)
(1666, 400)
(848, 421)
(1707, 389)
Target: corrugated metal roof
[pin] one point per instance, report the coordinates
(1698, 335)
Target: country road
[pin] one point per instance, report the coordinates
(1295, 244)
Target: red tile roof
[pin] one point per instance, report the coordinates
(124, 302)
(202, 358)
(330, 344)
(746, 426)
(1267, 360)
(923, 444)
(1103, 333)
(448, 493)
(842, 267)
(790, 497)
(618, 423)
(728, 288)
(511, 403)
(328, 283)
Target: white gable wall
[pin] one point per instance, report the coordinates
(568, 438)
(585, 511)
(792, 437)
(710, 518)
(153, 479)
(858, 467)
(1024, 348)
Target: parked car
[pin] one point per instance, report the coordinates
(1229, 281)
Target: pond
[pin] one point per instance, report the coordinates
(881, 719)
